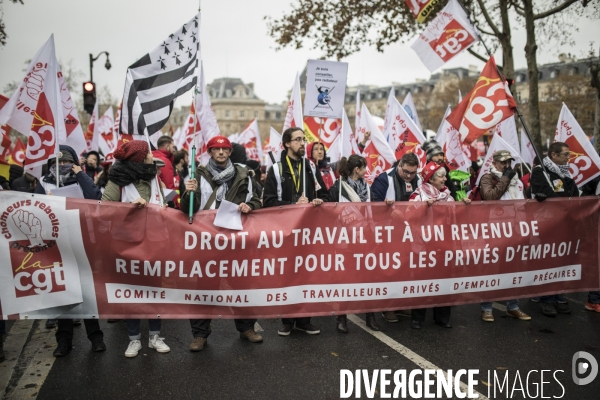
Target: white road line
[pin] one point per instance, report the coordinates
(405, 351)
(258, 328)
(575, 301)
(13, 346)
(499, 306)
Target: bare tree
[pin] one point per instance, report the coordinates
(3, 34)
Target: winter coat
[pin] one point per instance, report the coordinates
(491, 188)
(236, 194)
(288, 191)
(539, 184)
(112, 191)
(89, 189)
(381, 184)
(167, 173)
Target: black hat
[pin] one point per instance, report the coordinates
(431, 148)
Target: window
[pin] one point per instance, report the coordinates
(520, 78)
(256, 114)
(267, 115)
(277, 115)
(242, 114)
(574, 71)
(226, 113)
(553, 73)
(540, 75)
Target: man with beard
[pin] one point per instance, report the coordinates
(221, 180)
(284, 186)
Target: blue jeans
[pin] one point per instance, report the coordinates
(593, 298)
(511, 305)
(556, 298)
(133, 328)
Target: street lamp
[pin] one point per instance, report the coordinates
(92, 59)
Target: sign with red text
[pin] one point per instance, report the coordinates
(292, 261)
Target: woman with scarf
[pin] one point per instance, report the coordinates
(355, 190)
(132, 179)
(66, 173)
(554, 181)
(433, 190)
(316, 153)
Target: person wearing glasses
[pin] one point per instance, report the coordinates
(502, 183)
(284, 186)
(397, 184)
(555, 181)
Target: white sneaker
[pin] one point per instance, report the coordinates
(134, 347)
(158, 344)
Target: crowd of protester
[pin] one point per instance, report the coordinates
(136, 174)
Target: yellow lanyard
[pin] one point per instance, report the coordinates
(296, 182)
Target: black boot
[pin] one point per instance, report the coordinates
(62, 349)
(342, 324)
(372, 322)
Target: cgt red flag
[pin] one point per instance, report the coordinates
(18, 153)
(486, 105)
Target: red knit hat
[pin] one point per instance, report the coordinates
(135, 151)
(220, 142)
(430, 169)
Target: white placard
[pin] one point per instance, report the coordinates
(325, 88)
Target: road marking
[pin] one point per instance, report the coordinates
(405, 351)
(499, 306)
(13, 346)
(33, 362)
(258, 328)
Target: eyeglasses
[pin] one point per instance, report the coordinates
(405, 172)
(299, 140)
(566, 153)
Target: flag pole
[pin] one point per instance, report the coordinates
(518, 112)
(193, 161)
(341, 136)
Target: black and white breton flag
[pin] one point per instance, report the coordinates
(158, 78)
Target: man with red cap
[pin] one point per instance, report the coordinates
(221, 180)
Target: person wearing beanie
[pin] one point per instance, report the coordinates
(221, 180)
(434, 151)
(65, 173)
(132, 179)
(238, 154)
(432, 190)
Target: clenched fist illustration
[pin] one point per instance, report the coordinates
(30, 225)
(35, 82)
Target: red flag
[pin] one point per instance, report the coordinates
(4, 148)
(18, 153)
(486, 105)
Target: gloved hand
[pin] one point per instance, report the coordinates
(509, 173)
(540, 197)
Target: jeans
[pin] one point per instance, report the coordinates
(556, 298)
(511, 305)
(133, 328)
(201, 327)
(593, 298)
(440, 314)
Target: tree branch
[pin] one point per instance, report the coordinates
(477, 55)
(554, 10)
(518, 9)
(488, 19)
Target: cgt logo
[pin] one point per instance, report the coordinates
(583, 364)
(36, 265)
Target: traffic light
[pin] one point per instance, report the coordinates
(89, 96)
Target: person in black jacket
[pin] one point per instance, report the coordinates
(284, 186)
(92, 165)
(68, 172)
(26, 183)
(556, 181)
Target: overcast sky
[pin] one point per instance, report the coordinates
(234, 42)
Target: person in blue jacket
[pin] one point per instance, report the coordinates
(69, 172)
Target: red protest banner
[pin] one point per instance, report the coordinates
(290, 261)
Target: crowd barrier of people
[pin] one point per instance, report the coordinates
(302, 175)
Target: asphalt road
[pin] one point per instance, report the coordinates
(302, 366)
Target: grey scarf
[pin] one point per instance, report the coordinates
(221, 176)
(360, 187)
(64, 173)
(560, 170)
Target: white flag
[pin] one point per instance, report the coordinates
(411, 110)
(275, 146)
(91, 136)
(358, 136)
(508, 130)
(293, 116)
(250, 139)
(497, 144)
(105, 130)
(527, 151)
(208, 121)
(584, 161)
(449, 33)
(449, 139)
(177, 138)
(377, 152)
(35, 109)
(387, 117)
(403, 135)
(72, 135)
